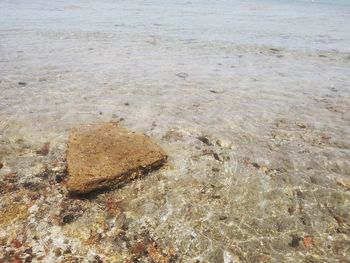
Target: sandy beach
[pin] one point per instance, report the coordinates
(249, 99)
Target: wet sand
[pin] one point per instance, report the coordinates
(250, 100)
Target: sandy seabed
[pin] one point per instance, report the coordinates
(250, 100)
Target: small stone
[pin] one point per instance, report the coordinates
(44, 150)
(301, 125)
(256, 165)
(308, 241)
(22, 83)
(204, 140)
(1, 165)
(291, 210)
(295, 241)
(59, 178)
(275, 50)
(182, 75)
(126, 104)
(216, 157)
(222, 217)
(68, 219)
(105, 155)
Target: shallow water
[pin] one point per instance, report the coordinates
(267, 82)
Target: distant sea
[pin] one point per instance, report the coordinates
(328, 2)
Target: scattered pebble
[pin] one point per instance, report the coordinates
(223, 217)
(291, 210)
(44, 150)
(216, 157)
(301, 125)
(256, 165)
(204, 140)
(295, 241)
(275, 50)
(59, 178)
(22, 83)
(68, 219)
(216, 196)
(308, 241)
(182, 75)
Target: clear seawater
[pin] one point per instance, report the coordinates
(269, 80)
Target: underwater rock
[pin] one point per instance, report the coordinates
(104, 155)
(182, 75)
(301, 125)
(204, 140)
(44, 150)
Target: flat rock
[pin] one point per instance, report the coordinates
(105, 155)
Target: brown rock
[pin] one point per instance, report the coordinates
(44, 150)
(104, 155)
(308, 241)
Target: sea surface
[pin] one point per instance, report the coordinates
(266, 82)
